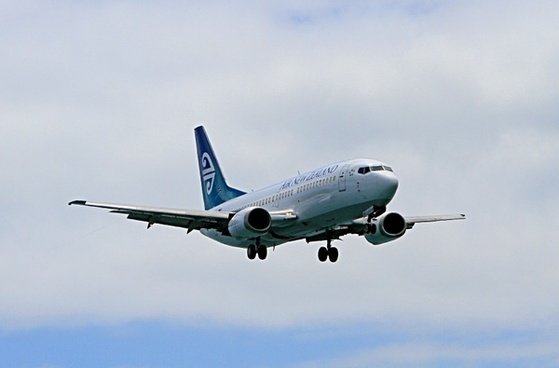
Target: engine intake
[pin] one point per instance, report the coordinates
(385, 228)
(250, 223)
(393, 224)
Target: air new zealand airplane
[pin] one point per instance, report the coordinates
(346, 197)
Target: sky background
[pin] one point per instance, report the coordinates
(99, 99)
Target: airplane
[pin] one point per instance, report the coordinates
(346, 197)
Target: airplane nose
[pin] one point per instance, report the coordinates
(390, 184)
(386, 185)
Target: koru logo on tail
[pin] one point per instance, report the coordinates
(208, 172)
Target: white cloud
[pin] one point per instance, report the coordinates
(100, 101)
(419, 354)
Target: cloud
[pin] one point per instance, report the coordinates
(420, 354)
(99, 101)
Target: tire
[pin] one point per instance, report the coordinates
(322, 254)
(251, 251)
(262, 252)
(333, 254)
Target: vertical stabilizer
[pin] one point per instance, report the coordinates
(214, 187)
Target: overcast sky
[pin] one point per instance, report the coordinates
(98, 101)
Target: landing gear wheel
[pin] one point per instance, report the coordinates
(333, 254)
(322, 254)
(262, 252)
(251, 251)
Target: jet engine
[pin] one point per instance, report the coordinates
(250, 223)
(385, 228)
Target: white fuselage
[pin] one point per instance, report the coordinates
(319, 200)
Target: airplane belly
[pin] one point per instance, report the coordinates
(314, 214)
(309, 223)
(268, 239)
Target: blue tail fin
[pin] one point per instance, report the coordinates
(214, 187)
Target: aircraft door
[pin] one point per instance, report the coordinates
(342, 176)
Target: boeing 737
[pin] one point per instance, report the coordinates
(347, 197)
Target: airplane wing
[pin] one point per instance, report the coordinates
(360, 226)
(189, 219)
(412, 220)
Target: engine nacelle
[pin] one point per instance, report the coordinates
(385, 228)
(250, 223)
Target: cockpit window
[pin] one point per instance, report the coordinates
(366, 169)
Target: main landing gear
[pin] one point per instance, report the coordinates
(257, 249)
(328, 252)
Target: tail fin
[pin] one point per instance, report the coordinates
(214, 187)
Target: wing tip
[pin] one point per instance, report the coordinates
(80, 202)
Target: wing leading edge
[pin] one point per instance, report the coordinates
(412, 220)
(361, 226)
(189, 219)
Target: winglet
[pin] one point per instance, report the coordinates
(80, 202)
